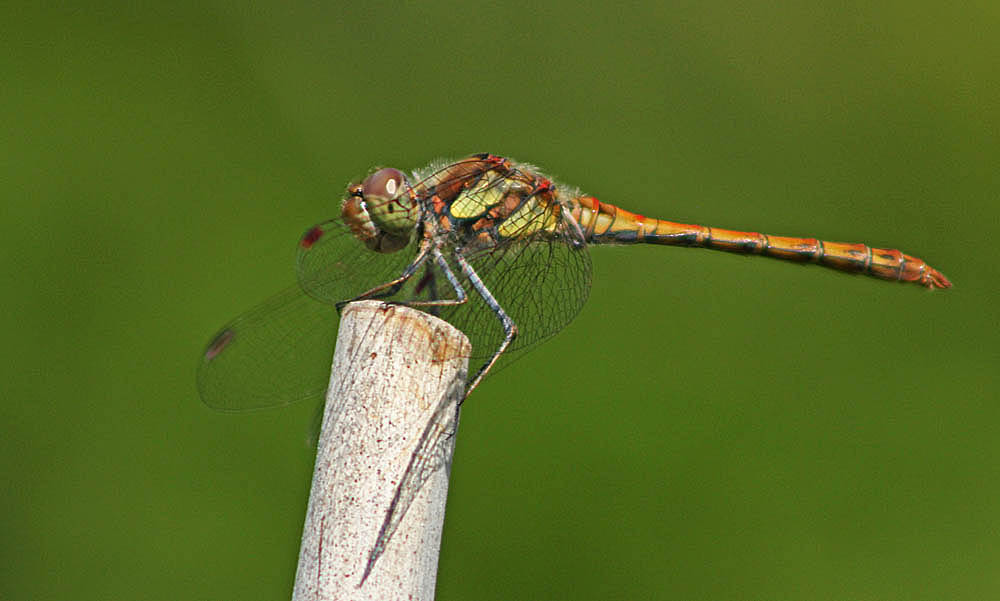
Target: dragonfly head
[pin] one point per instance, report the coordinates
(382, 211)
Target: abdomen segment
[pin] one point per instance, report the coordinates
(604, 223)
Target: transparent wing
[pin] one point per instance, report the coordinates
(334, 265)
(277, 353)
(541, 280)
(280, 351)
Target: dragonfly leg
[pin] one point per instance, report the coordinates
(431, 454)
(392, 287)
(460, 295)
(509, 327)
(427, 286)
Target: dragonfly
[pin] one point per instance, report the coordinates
(487, 243)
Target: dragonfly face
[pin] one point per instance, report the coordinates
(382, 211)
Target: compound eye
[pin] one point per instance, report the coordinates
(385, 183)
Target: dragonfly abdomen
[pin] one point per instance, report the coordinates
(604, 223)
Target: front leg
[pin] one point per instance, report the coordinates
(460, 295)
(391, 287)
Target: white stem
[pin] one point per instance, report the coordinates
(394, 369)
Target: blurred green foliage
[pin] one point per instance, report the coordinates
(710, 427)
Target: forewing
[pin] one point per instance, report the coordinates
(334, 265)
(277, 353)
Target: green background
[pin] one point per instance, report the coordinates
(710, 427)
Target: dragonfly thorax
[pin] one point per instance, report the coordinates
(381, 211)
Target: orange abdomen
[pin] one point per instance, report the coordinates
(607, 224)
